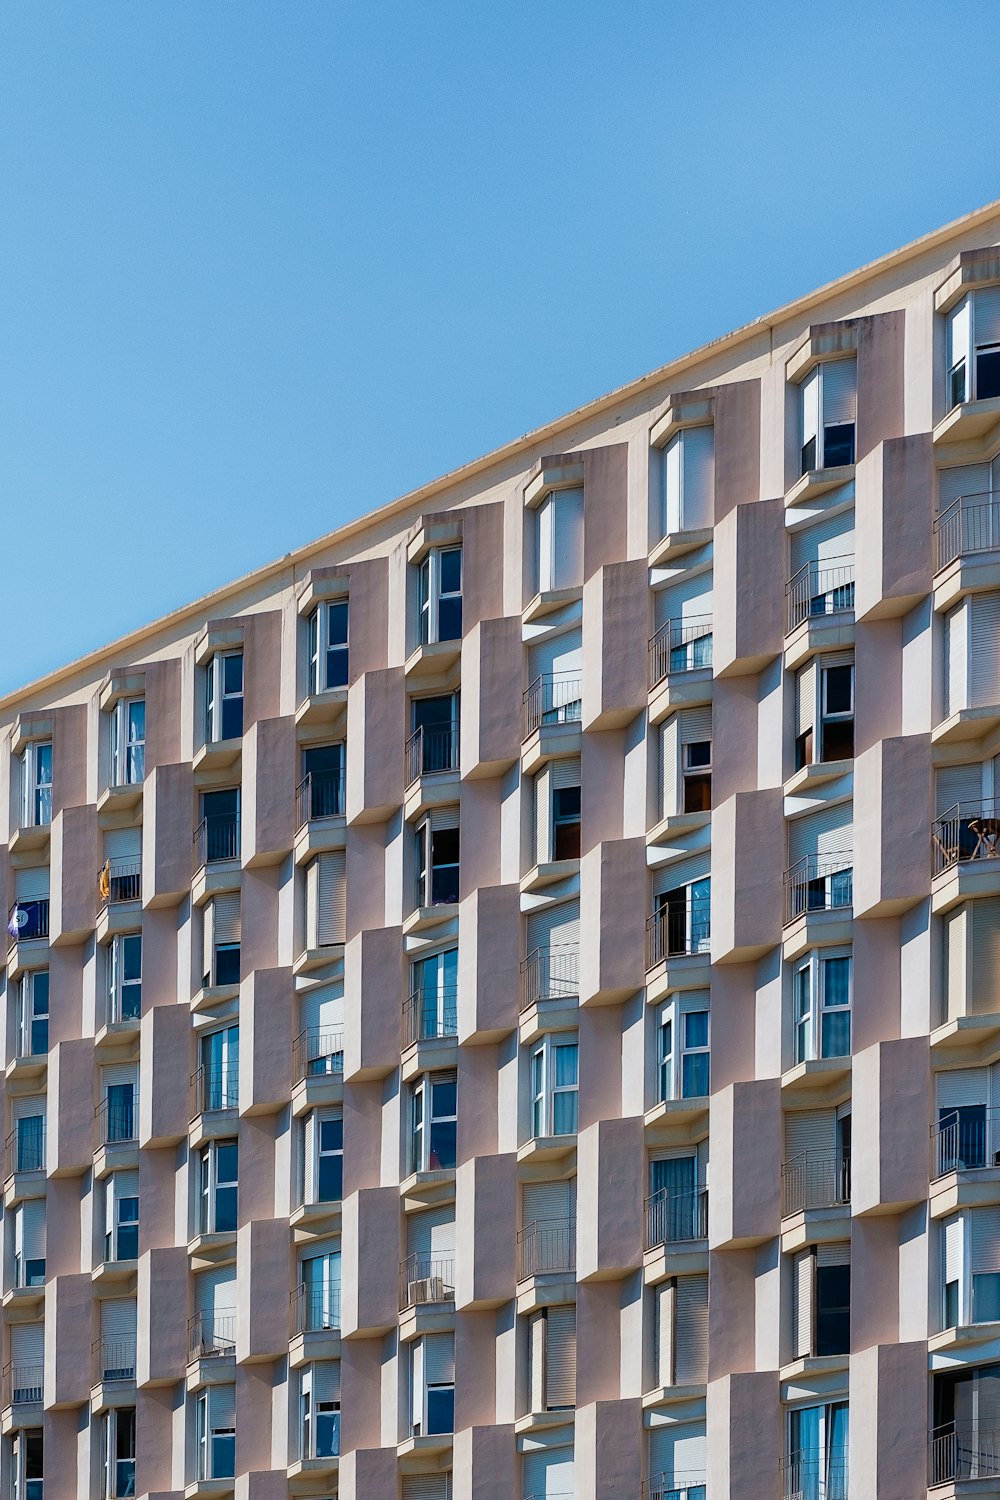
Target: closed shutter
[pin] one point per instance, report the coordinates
(691, 1357)
(33, 884)
(123, 843)
(837, 1254)
(32, 1220)
(677, 1449)
(118, 1074)
(432, 1233)
(810, 1130)
(554, 925)
(560, 653)
(825, 833)
(548, 1473)
(805, 699)
(985, 1240)
(331, 912)
(548, 1200)
(208, 941)
(226, 911)
(984, 920)
(439, 1358)
(127, 1184)
(962, 1086)
(955, 964)
(536, 1361)
(986, 316)
(215, 1291)
(698, 498)
(326, 1380)
(954, 784)
(310, 1127)
(427, 1486)
(118, 1318)
(27, 1343)
(960, 339)
(803, 1282)
(840, 391)
(541, 807)
(322, 1009)
(665, 1298)
(985, 659)
(681, 872)
(560, 1357)
(668, 800)
(689, 598)
(568, 539)
(952, 1246)
(696, 725)
(27, 1107)
(825, 540)
(962, 482)
(222, 1407)
(565, 772)
(956, 677)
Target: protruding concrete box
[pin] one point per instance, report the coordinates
(610, 1188)
(266, 1035)
(164, 1072)
(154, 1448)
(485, 1196)
(168, 832)
(262, 1270)
(364, 1472)
(377, 732)
(71, 1108)
(371, 1241)
(888, 1433)
(893, 814)
(489, 933)
(615, 632)
(613, 883)
(744, 1202)
(894, 519)
(748, 597)
(744, 1426)
(373, 1003)
(161, 1316)
(608, 1457)
(748, 858)
(891, 1094)
(75, 855)
(880, 340)
(485, 1463)
(267, 819)
(492, 673)
(68, 1304)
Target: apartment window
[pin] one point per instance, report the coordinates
(36, 784)
(821, 1301)
(220, 825)
(559, 540)
(29, 1242)
(683, 1048)
(974, 348)
(120, 1085)
(328, 646)
(215, 1432)
(323, 785)
(118, 1453)
(552, 1359)
(128, 741)
(224, 696)
(556, 811)
(822, 989)
(439, 595)
(27, 1470)
(123, 960)
(677, 1208)
(682, 920)
(220, 1066)
(970, 1259)
(218, 1187)
(433, 1122)
(29, 1134)
(828, 414)
(681, 1331)
(323, 1158)
(689, 480)
(33, 1013)
(824, 697)
(437, 851)
(321, 1290)
(319, 1410)
(121, 1216)
(555, 1080)
(817, 1450)
(221, 936)
(432, 1384)
(432, 1009)
(326, 899)
(433, 744)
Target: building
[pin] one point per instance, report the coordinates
(504, 1002)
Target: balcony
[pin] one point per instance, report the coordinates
(812, 1474)
(214, 1089)
(28, 921)
(680, 645)
(217, 838)
(425, 1279)
(22, 1384)
(815, 1179)
(969, 527)
(212, 1335)
(24, 1148)
(674, 1217)
(965, 1140)
(119, 880)
(545, 1247)
(117, 1121)
(319, 795)
(317, 1053)
(551, 973)
(113, 1360)
(679, 929)
(818, 591)
(432, 750)
(964, 1450)
(430, 1014)
(680, 1485)
(553, 700)
(316, 1308)
(819, 883)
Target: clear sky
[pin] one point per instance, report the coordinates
(267, 264)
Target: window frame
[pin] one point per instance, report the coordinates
(110, 1423)
(425, 866)
(322, 646)
(116, 981)
(217, 696)
(127, 765)
(672, 1017)
(28, 1016)
(423, 1118)
(544, 1090)
(210, 1184)
(970, 352)
(36, 790)
(113, 1201)
(818, 374)
(432, 597)
(418, 1357)
(807, 1021)
(206, 1435)
(312, 1131)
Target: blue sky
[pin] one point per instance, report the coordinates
(264, 266)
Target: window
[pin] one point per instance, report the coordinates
(319, 1410)
(323, 786)
(681, 1331)
(970, 1260)
(439, 596)
(121, 1216)
(683, 1069)
(817, 1451)
(433, 745)
(433, 1003)
(677, 1208)
(128, 742)
(328, 646)
(218, 1186)
(220, 1066)
(833, 710)
(552, 1359)
(684, 769)
(118, 1453)
(326, 899)
(221, 934)
(822, 996)
(36, 784)
(437, 851)
(120, 1085)
(220, 826)
(689, 480)
(682, 920)
(29, 1243)
(821, 1301)
(432, 1384)
(433, 1122)
(224, 697)
(323, 1158)
(559, 540)
(556, 810)
(33, 1013)
(27, 1479)
(123, 958)
(554, 1085)
(828, 411)
(321, 1291)
(974, 348)
(696, 769)
(215, 1432)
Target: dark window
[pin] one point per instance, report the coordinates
(331, 1160)
(985, 1297)
(440, 1408)
(127, 1210)
(838, 445)
(566, 822)
(962, 1137)
(336, 645)
(698, 776)
(444, 866)
(833, 1309)
(226, 1189)
(227, 963)
(987, 374)
(324, 766)
(809, 455)
(450, 602)
(232, 696)
(443, 1138)
(221, 812)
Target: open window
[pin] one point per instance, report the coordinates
(822, 987)
(555, 1083)
(974, 348)
(437, 843)
(439, 596)
(218, 1187)
(36, 784)
(128, 741)
(683, 1052)
(824, 710)
(328, 646)
(224, 696)
(828, 403)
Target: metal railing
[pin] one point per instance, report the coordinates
(218, 837)
(678, 930)
(688, 1484)
(317, 1053)
(964, 1450)
(320, 794)
(114, 1359)
(551, 973)
(674, 1215)
(28, 920)
(117, 1121)
(968, 830)
(819, 882)
(546, 1245)
(215, 1088)
(680, 645)
(430, 1013)
(426, 1278)
(316, 1308)
(212, 1333)
(965, 1140)
(22, 1384)
(553, 698)
(824, 588)
(815, 1179)
(970, 524)
(120, 880)
(24, 1149)
(812, 1474)
(430, 750)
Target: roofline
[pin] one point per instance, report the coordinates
(208, 603)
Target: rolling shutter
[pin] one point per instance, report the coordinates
(809, 396)
(673, 486)
(27, 1107)
(681, 872)
(32, 884)
(985, 658)
(548, 1473)
(123, 843)
(322, 1009)
(952, 1245)
(560, 653)
(825, 540)
(222, 1407)
(956, 677)
(554, 925)
(668, 799)
(985, 1240)
(962, 482)
(687, 599)
(560, 1357)
(326, 1380)
(665, 1296)
(810, 1130)
(696, 724)
(691, 1357)
(27, 1343)
(427, 1486)
(698, 484)
(548, 1200)
(840, 391)
(326, 897)
(118, 1318)
(565, 772)
(803, 1286)
(984, 921)
(536, 1361)
(215, 1292)
(954, 784)
(962, 1086)
(824, 833)
(310, 1129)
(541, 811)
(955, 963)
(986, 316)
(226, 910)
(837, 1254)
(677, 1449)
(805, 698)
(567, 561)
(119, 1074)
(432, 1233)
(439, 1358)
(31, 1219)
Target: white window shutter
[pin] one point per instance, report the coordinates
(961, 1086)
(956, 659)
(542, 809)
(699, 477)
(803, 1283)
(985, 1240)
(568, 543)
(332, 895)
(669, 768)
(954, 784)
(810, 408)
(840, 391)
(691, 1353)
(955, 960)
(673, 460)
(560, 1357)
(812, 1130)
(960, 341)
(986, 316)
(984, 920)
(665, 1300)
(805, 699)
(985, 651)
(536, 1361)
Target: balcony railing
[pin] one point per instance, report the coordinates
(316, 1308)
(28, 920)
(967, 831)
(319, 795)
(819, 588)
(964, 1450)
(812, 1474)
(546, 1245)
(117, 1120)
(680, 645)
(430, 1013)
(674, 1215)
(24, 1148)
(318, 1052)
(22, 1384)
(970, 524)
(553, 698)
(424, 1279)
(215, 1088)
(120, 880)
(212, 1333)
(685, 1485)
(819, 882)
(218, 837)
(114, 1359)
(815, 1179)
(551, 973)
(431, 750)
(678, 930)
(965, 1140)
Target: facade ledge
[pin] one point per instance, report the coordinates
(679, 690)
(106, 1395)
(214, 996)
(318, 1343)
(206, 1250)
(433, 1052)
(670, 1395)
(22, 1185)
(218, 755)
(438, 789)
(973, 1188)
(423, 918)
(426, 1317)
(677, 825)
(685, 971)
(973, 424)
(562, 474)
(413, 1449)
(963, 881)
(112, 1275)
(816, 929)
(311, 1471)
(24, 1414)
(210, 1489)
(547, 1015)
(119, 799)
(816, 634)
(317, 958)
(547, 1148)
(317, 836)
(210, 879)
(321, 708)
(30, 954)
(118, 916)
(22, 1302)
(539, 876)
(817, 1081)
(310, 1219)
(435, 659)
(550, 742)
(811, 1367)
(817, 775)
(679, 1258)
(966, 724)
(664, 1116)
(27, 839)
(115, 1035)
(210, 1369)
(815, 1226)
(976, 1039)
(547, 1289)
(817, 483)
(970, 1336)
(316, 1091)
(966, 575)
(544, 1421)
(212, 1125)
(116, 1156)
(683, 409)
(677, 544)
(35, 1066)
(424, 1189)
(548, 602)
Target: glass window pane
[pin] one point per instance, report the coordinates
(450, 618)
(838, 683)
(836, 1033)
(696, 1028)
(986, 1297)
(451, 570)
(694, 1080)
(565, 1064)
(564, 1113)
(836, 981)
(445, 1098)
(337, 623)
(232, 673)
